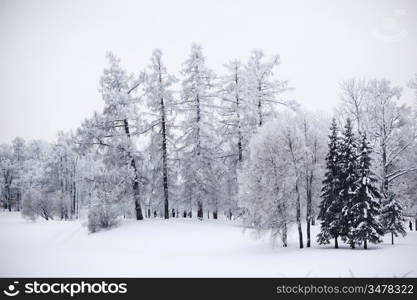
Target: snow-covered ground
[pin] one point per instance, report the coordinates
(182, 248)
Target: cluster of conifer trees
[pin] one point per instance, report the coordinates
(353, 208)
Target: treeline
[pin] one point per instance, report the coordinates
(161, 146)
(203, 144)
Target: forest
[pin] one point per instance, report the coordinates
(196, 144)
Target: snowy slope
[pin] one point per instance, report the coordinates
(181, 248)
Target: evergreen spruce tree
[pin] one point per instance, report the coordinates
(392, 217)
(348, 179)
(330, 206)
(366, 208)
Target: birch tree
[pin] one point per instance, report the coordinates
(264, 192)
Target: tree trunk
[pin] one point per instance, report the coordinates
(198, 118)
(215, 214)
(308, 214)
(392, 238)
(74, 199)
(239, 145)
(164, 152)
(284, 235)
(336, 243)
(18, 198)
(298, 207)
(260, 106)
(239, 132)
(8, 196)
(200, 210)
(365, 244)
(385, 183)
(135, 184)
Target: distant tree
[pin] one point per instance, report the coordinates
(8, 175)
(263, 89)
(38, 203)
(19, 157)
(392, 217)
(354, 96)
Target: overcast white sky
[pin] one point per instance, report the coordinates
(52, 51)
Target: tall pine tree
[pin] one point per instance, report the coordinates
(348, 178)
(366, 208)
(330, 206)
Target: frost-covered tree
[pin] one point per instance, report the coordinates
(366, 207)
(294, 141)
(19, 157)
(198, 143)
(161, 103)
(60, 175)
(264, 91)
(38, 153)
(390, 131)
(7, 175)
(38, 203)
(265, 192)
(269, 184)
(354, 96)
(234, 108)
(234, 128)
(392, 217)
(105, 210)
(413, 85)
(313, 129)
(331, 205)
(12, 160)
(113, 132)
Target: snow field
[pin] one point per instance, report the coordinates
(185, 248)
